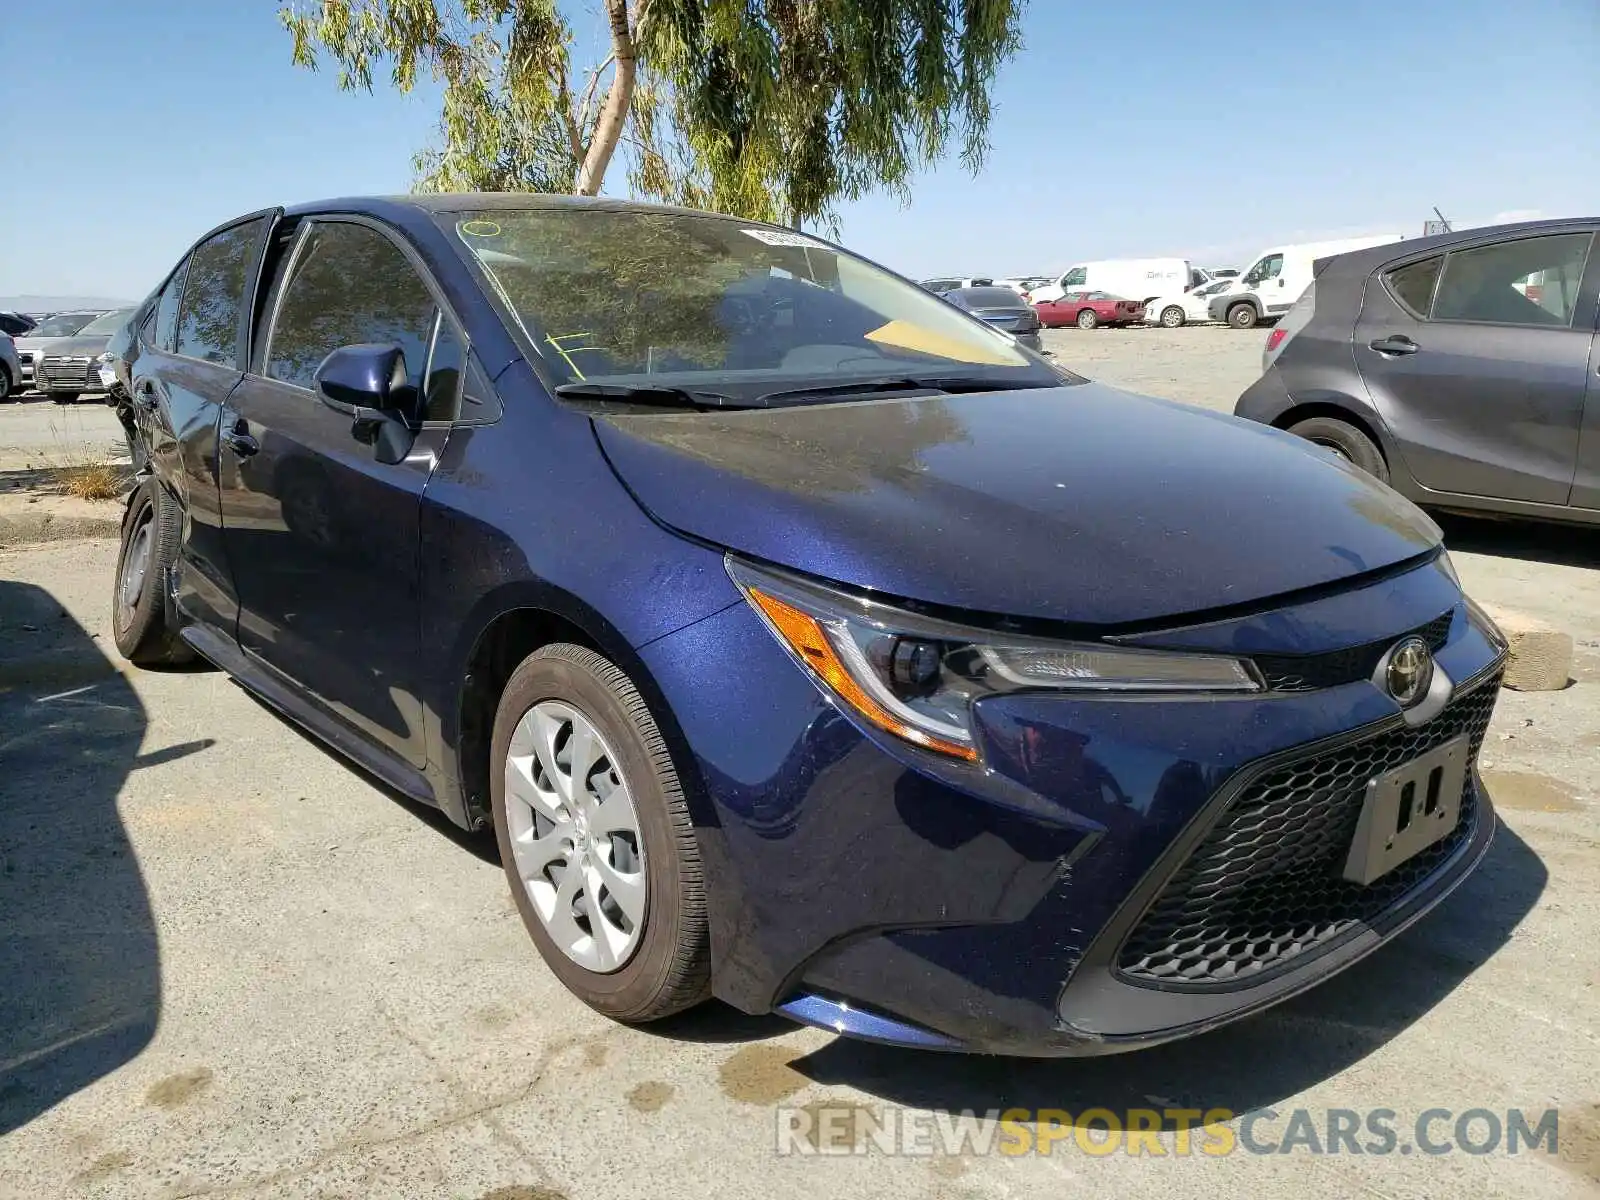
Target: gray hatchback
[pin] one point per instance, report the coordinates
(1459, 369)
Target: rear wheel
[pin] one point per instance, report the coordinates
(596, 839)
(1088, 318)
(1172, 316)
(7, 385)
(150, 536)
(1243, 316)
(1345, 440)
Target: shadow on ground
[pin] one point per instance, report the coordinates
(80, 982)
(1536, 541)
(1249, 1065)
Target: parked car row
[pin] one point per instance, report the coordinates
(60, 355)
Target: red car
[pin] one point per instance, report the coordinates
(1088, 309)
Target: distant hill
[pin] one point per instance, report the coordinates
(58, 303)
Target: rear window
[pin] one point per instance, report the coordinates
(992, 297)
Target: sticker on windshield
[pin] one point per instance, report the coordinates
(775, 237)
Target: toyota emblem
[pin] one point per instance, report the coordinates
(1410, 671)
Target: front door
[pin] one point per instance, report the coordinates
(1479, 361)
(322, 537)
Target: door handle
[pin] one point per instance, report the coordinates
(1395, 344)
(239, 440)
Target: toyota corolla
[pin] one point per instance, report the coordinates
(805, 641)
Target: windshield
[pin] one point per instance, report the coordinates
(669, 299)
(107, 323)
(62, 324)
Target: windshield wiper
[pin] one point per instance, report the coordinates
(648, 393)
(901, 383)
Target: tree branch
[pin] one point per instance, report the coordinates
(614, 113)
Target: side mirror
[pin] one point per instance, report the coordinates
(368, 382)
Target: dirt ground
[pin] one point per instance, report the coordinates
(283, 981)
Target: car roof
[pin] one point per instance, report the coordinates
(1377, 256)
(438, 202)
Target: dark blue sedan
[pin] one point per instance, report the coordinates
(805, 640)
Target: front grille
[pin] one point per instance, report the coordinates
(68, 375)
(1265, 885)
(1305, 673)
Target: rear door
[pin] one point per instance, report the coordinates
(190, 358)
(1479, 362)
(323, 538)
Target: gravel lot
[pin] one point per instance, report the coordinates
(232, 965)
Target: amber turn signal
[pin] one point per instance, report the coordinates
(806, 637)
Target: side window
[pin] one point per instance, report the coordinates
(1531, 281)
(1076, 277)
(208, 320)
(348, 284)
(1413, 283)
(163, 333)
(1269, 267)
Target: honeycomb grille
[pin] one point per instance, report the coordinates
(1305, 673)
(1265, 885)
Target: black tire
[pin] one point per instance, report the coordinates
(1243, 316)
(139, 621)
(1172, 317)
(670, 970)
(1087, 318)
(7, 384)
(1345, 440)
(64, 397)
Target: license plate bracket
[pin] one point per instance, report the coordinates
(1408, 809)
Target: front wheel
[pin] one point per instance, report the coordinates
(1346, 441)
(151, 533)
(1172, 316)
(7, 385)
(1088, 318)
(596, 839)
(1243, 316)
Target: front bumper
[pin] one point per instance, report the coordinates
(76, 373)
(870, 888)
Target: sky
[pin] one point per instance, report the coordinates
(1166, 127)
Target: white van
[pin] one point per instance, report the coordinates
(1141, 279)
(1277, 278)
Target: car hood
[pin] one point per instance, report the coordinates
(77, 344)
(1081, 503)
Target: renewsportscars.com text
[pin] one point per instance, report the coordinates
(849, 1129)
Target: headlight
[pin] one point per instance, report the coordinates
(918, 678)
(107, 358)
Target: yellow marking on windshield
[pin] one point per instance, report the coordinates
(905, 336)
(555, 344)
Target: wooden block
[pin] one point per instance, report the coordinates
(1539, 658)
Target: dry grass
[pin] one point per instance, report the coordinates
(90, 481)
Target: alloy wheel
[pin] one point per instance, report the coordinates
(135, 566)
(575, 836)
